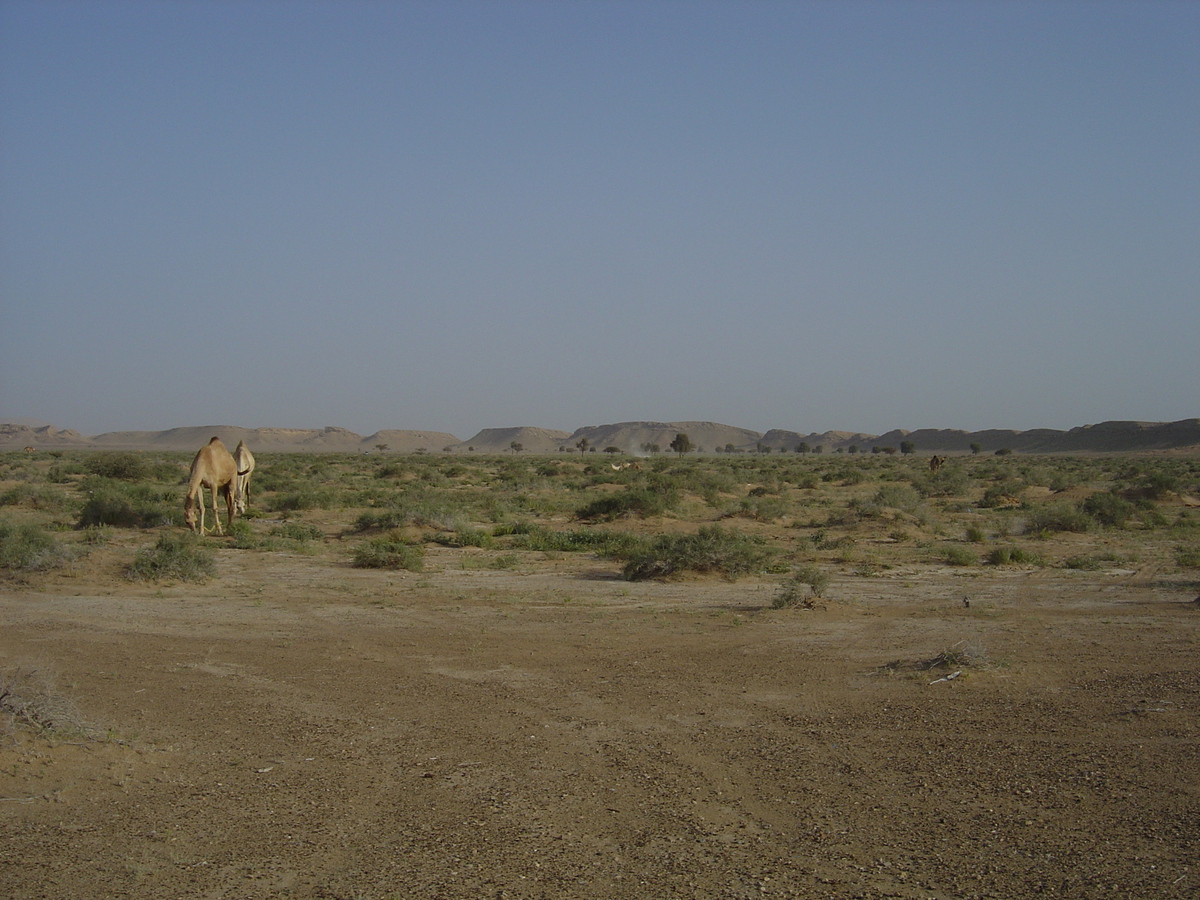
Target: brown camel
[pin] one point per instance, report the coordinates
(30, 450)
(244, 460)
(935, 462)
(213, 468)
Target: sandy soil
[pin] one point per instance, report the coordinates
(299, 728)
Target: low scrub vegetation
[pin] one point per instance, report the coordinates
(28, 547)
(390, 551)
(711, 550)
(174, 557)
(728, 515)
(803, 588)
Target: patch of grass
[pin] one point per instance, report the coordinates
(618, 544)
(297, 531)
(389, 551)
(1090, 562)
(39, 497)
(504, 561)
(711, 550)
(175, 556)
(1187, 557)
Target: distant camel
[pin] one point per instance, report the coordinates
(244, 460)
(30, 450)
(213, 468)
(626, 465)
(935, 462)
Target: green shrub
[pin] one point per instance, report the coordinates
(1057, 517)
(297, 531)
(38, 497)
(177, 556)
(29, 547)
(1108, 509)
(390, 552)
(1187, 557)
(1016, 556)
(712, 550)
(975, 534)
(641, 502)
(126, 466)
(130, 506)
(961, 556)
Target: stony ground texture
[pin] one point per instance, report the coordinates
(299, 728)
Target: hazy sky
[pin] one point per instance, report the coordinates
(459, 215)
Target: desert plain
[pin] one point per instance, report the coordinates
(406, 675)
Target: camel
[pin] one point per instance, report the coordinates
(30, 450)
(626, 465)
(213, 468)
(244, 460)
(935, 462)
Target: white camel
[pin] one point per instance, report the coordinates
(213, 468)
(244, 460)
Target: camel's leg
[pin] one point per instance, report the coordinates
(200, 503)
(216, 515)
(231, 498)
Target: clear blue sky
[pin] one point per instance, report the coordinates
(459, 215)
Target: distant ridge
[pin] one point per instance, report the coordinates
(628, 437)
(501, 440)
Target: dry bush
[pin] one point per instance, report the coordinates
(29, 701)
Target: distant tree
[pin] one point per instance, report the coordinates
(729, 448)
(516, 446)
(583, 445)
(682, 444)
(976, 448)
(818, 449)
(381, 447)
(853, 448)
(1004, 451)
(890, 451)
(802, 447)
(908, 447)
(612, 449)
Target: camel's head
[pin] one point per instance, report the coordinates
(239, 504)
(189, 514)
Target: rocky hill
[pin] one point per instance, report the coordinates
(629, 437)
(632, 437)
(501, 440)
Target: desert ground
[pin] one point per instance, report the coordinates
(982, 684)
